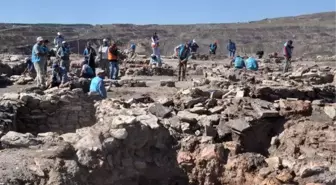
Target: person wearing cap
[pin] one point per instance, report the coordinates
(113, 55)
(184, 54)
(231, 47)
(86, 71)
(64, 53)
(287, 52)
(59, 77)
(37, 59)
(97, 83)
(46, 57)
(58, 40)
(103, 54)
(213, 48)
(90, 55)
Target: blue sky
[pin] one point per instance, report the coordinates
(155, 11)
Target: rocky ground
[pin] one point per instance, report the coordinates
(220, 127)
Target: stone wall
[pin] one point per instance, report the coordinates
(57, 110)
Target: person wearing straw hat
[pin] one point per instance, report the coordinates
(97, 83)
(37, 59)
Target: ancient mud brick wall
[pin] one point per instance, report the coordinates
(55, 111)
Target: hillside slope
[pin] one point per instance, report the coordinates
(312, 34)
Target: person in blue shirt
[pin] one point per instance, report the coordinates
(239, 62)
(231, 47)
(37, 59)
(97, 84)
(252, 64)
(64, 54)
(59, 76)
(90, 55)
(183, 56)
(86, 71)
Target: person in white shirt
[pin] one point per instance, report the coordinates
(103, 54)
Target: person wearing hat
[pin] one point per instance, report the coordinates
(97, 83)
(183, 56)
(59, 76)
(37, 59)
(213, 48)
(58, 40)
(64, 53)
(90, 55)
(103, 54)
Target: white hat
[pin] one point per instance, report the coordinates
(39, 39)
(59, 33)
(104, 40)
(99, 71)
(194, 40)
(63, 42)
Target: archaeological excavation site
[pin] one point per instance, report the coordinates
(222, 126)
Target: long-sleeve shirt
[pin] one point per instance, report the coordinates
(58, 40)
(155, 39)
(59, 76)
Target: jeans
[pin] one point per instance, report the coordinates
(232, 53)
(114, 70)
(105, 65)
(65, 64)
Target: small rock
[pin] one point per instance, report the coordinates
(273, 162)
(330, 110)
(308, 171)
(199, 110)
(185, 126)
(149, 120)
(159, 110)
(187, 116)
(240, 94)
(119, 133)
(15, 139)
(285, 176)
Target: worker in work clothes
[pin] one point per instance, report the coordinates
(231, 47)
(37, 59)
(213, 48)
(183, 57)
(287, 51)
(58, 40)
(64, 54)
(97, 84)
(103, 52)
(113, 55)
(90, 55)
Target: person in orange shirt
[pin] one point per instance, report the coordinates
(113, 54)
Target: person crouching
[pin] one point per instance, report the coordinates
(87, 71)
(97, 84)
(59, 77)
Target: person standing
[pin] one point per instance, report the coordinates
(46, 57)
(287, 51)
(58, 40)
(103, 52)
(90, 55)
(194, 46)
(113, 54)
(64, 54)
(155, 45)
(184, 54)
(132, 50)
(231, 47)
(97, 84)
(37, 59)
